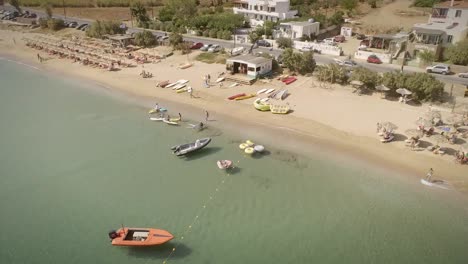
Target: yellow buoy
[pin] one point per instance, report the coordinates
(250, 143)
(243, 146)
(249, 150)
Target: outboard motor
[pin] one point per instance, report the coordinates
(113, 234)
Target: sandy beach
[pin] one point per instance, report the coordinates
(326, 115)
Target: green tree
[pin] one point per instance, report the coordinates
(175, 39)
(458, 53)
(332, 73)
(166, 14)
(55, 24)
(372, 3)
(47, 8)
(145, 39)
(425, 3)
(16, 5)
(337, 18)
(427, 57)
(369, 78)
(183, 10)
(254, 37)
(303, 63)
(138, 11)
(394, 80)
(425, 87)
(349, 5)
(100, 28)
(284, 43)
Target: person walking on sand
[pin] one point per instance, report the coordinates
(429, 175)
(38, 57)
(190, 91)
(209, 78)
(207, 115)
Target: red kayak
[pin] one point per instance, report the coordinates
(289, 80)
(235, 96)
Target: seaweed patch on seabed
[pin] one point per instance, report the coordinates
(292, 159)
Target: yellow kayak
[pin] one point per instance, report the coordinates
(182, 90)
(245, 97)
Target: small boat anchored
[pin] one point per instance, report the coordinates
(184, 149)
(139, 237)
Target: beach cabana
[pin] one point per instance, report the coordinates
(249, 65)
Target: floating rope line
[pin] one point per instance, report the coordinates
(197, 216)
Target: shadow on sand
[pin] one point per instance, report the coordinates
(399, 137)
(202, 153)
(160, 252)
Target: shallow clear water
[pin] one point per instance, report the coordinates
(75, 163)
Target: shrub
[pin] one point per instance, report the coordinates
(206, 33)
(424, 3)
(369, 78)
(458, 53)
(145, 39)
(427, 57)
(219, 34)
(213, 33)
(175, 39)
(284, 43)
(303, 63)
(332, 73)
(100, 28)
(394, 80)
(55, 24)
(425, 87)
(226, 35)
(42, 22)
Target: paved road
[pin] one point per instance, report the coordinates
(320, 59)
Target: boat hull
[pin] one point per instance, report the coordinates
(129, 237)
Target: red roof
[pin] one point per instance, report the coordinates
(456, 4)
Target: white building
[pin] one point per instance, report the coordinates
(249, 65)
(258, 11)
(296, 30)
(447, 24)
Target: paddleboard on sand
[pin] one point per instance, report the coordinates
(261, 91)
(220, 79)
(438, 184)
(269, 91)
(233, 85)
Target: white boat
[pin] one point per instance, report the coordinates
(170, 122)
(171, 85)
(282, 94)
(261, 91)
(179, 86)
(438, 184)
(269, 91)
(233, 85)
(220, 79)
(182, 81)
(157, 118)
(237, 51)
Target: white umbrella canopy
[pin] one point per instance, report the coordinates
(403, 91)
(356, 82)
(382, 88)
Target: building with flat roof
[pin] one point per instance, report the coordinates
(258, 11)
(296, 30)
(249, 65)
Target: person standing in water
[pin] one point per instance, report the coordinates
(180, 117)
(429, 175)
(207, 115)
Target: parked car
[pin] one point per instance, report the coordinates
(263, 43)
(374, 59)
(32, 15)
(197, 45)
(463, 75)
(306, 48)
(438, 68)
(339, 39)
(214, 48)
(360, 36)
(345, 63)
(85, 27)
(206, 47)
(73, 24)
(81, 26)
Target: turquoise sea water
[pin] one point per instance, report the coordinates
(76, 163)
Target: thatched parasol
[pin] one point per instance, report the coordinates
(423, 122)
(382, 88)
(403, 91)
(438, 139)
(389, 126)
(414, 133)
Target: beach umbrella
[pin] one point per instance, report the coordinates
(414, 133)
(432, 114)
(389, 126)
(423, 122)
(403, 91)
(382, 88)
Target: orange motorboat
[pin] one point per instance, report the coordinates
(139, 237)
